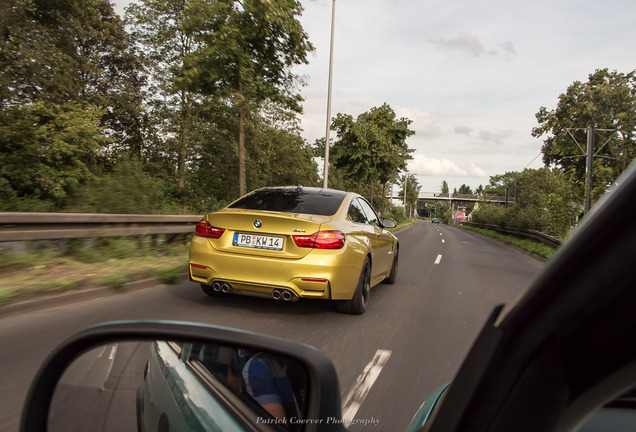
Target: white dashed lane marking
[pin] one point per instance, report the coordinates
(438, 259)
(363, 385)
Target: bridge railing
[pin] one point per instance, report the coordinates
(459, 197)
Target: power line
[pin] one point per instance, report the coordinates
(535, 158)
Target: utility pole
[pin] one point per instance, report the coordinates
(589, 168)
(450, 200)
(325, 181)
(589, 155)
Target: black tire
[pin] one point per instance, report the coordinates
(394, 268)
(210, 291)
(358, 303)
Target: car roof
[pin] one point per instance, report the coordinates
(568, 345)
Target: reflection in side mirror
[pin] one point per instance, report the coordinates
(174, 376)
(388, 223)
(98, 390)
(178, 386)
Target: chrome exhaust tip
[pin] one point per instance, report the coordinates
(287, 296)
(226, 287)
(276, 294)
(216, 286)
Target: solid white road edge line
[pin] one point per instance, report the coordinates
(361, 388)
(438, 259)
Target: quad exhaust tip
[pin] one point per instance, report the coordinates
(222, 287)
(282, 294)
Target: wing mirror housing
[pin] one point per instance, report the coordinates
(164, 375)
(389, 223)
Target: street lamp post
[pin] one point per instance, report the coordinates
(325, 181)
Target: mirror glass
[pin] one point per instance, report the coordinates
(389, 223)
(179, 386)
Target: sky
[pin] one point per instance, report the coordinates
(470, 74)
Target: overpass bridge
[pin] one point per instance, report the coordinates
(436, 196)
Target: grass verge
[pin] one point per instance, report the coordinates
(407, 223)
(531, 246)
(112, 264)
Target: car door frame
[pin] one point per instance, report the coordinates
(384, 244)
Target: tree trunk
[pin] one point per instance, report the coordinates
(183, 142)
(241, 144)
(383, 199)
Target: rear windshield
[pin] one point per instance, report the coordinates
(319, 201)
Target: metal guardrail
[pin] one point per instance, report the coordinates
(535, 235)
(16, 227)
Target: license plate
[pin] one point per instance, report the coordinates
(258, 241)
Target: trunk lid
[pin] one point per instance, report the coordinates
(263, 233)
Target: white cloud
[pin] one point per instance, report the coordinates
(475, 171)
(465, 41)
(463, 130)
(470, 44)
(423, 122)
(494, 137)
(509, 49)
(425, 166)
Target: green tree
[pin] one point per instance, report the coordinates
(72, 51)
(465, 190)
(46, 151)
(608, 101)
(176, 112)
(128, 188)
(372, 147)
(502, 185)
(246, 54)
(276, 152)
(412, 192)
(545, 201)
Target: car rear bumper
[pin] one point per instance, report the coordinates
(321, 274)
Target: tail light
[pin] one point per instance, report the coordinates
(204, 229)
(321, 240)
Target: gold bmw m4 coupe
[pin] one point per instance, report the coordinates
(288, 243)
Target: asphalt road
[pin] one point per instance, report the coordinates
(415, 333)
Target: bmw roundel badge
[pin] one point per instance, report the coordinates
(258, 223)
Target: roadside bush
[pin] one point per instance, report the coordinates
(109, 248)
(396, 213)
(127, 189)
(116, 281)
(170, 274)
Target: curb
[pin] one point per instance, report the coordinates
(61, 299)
